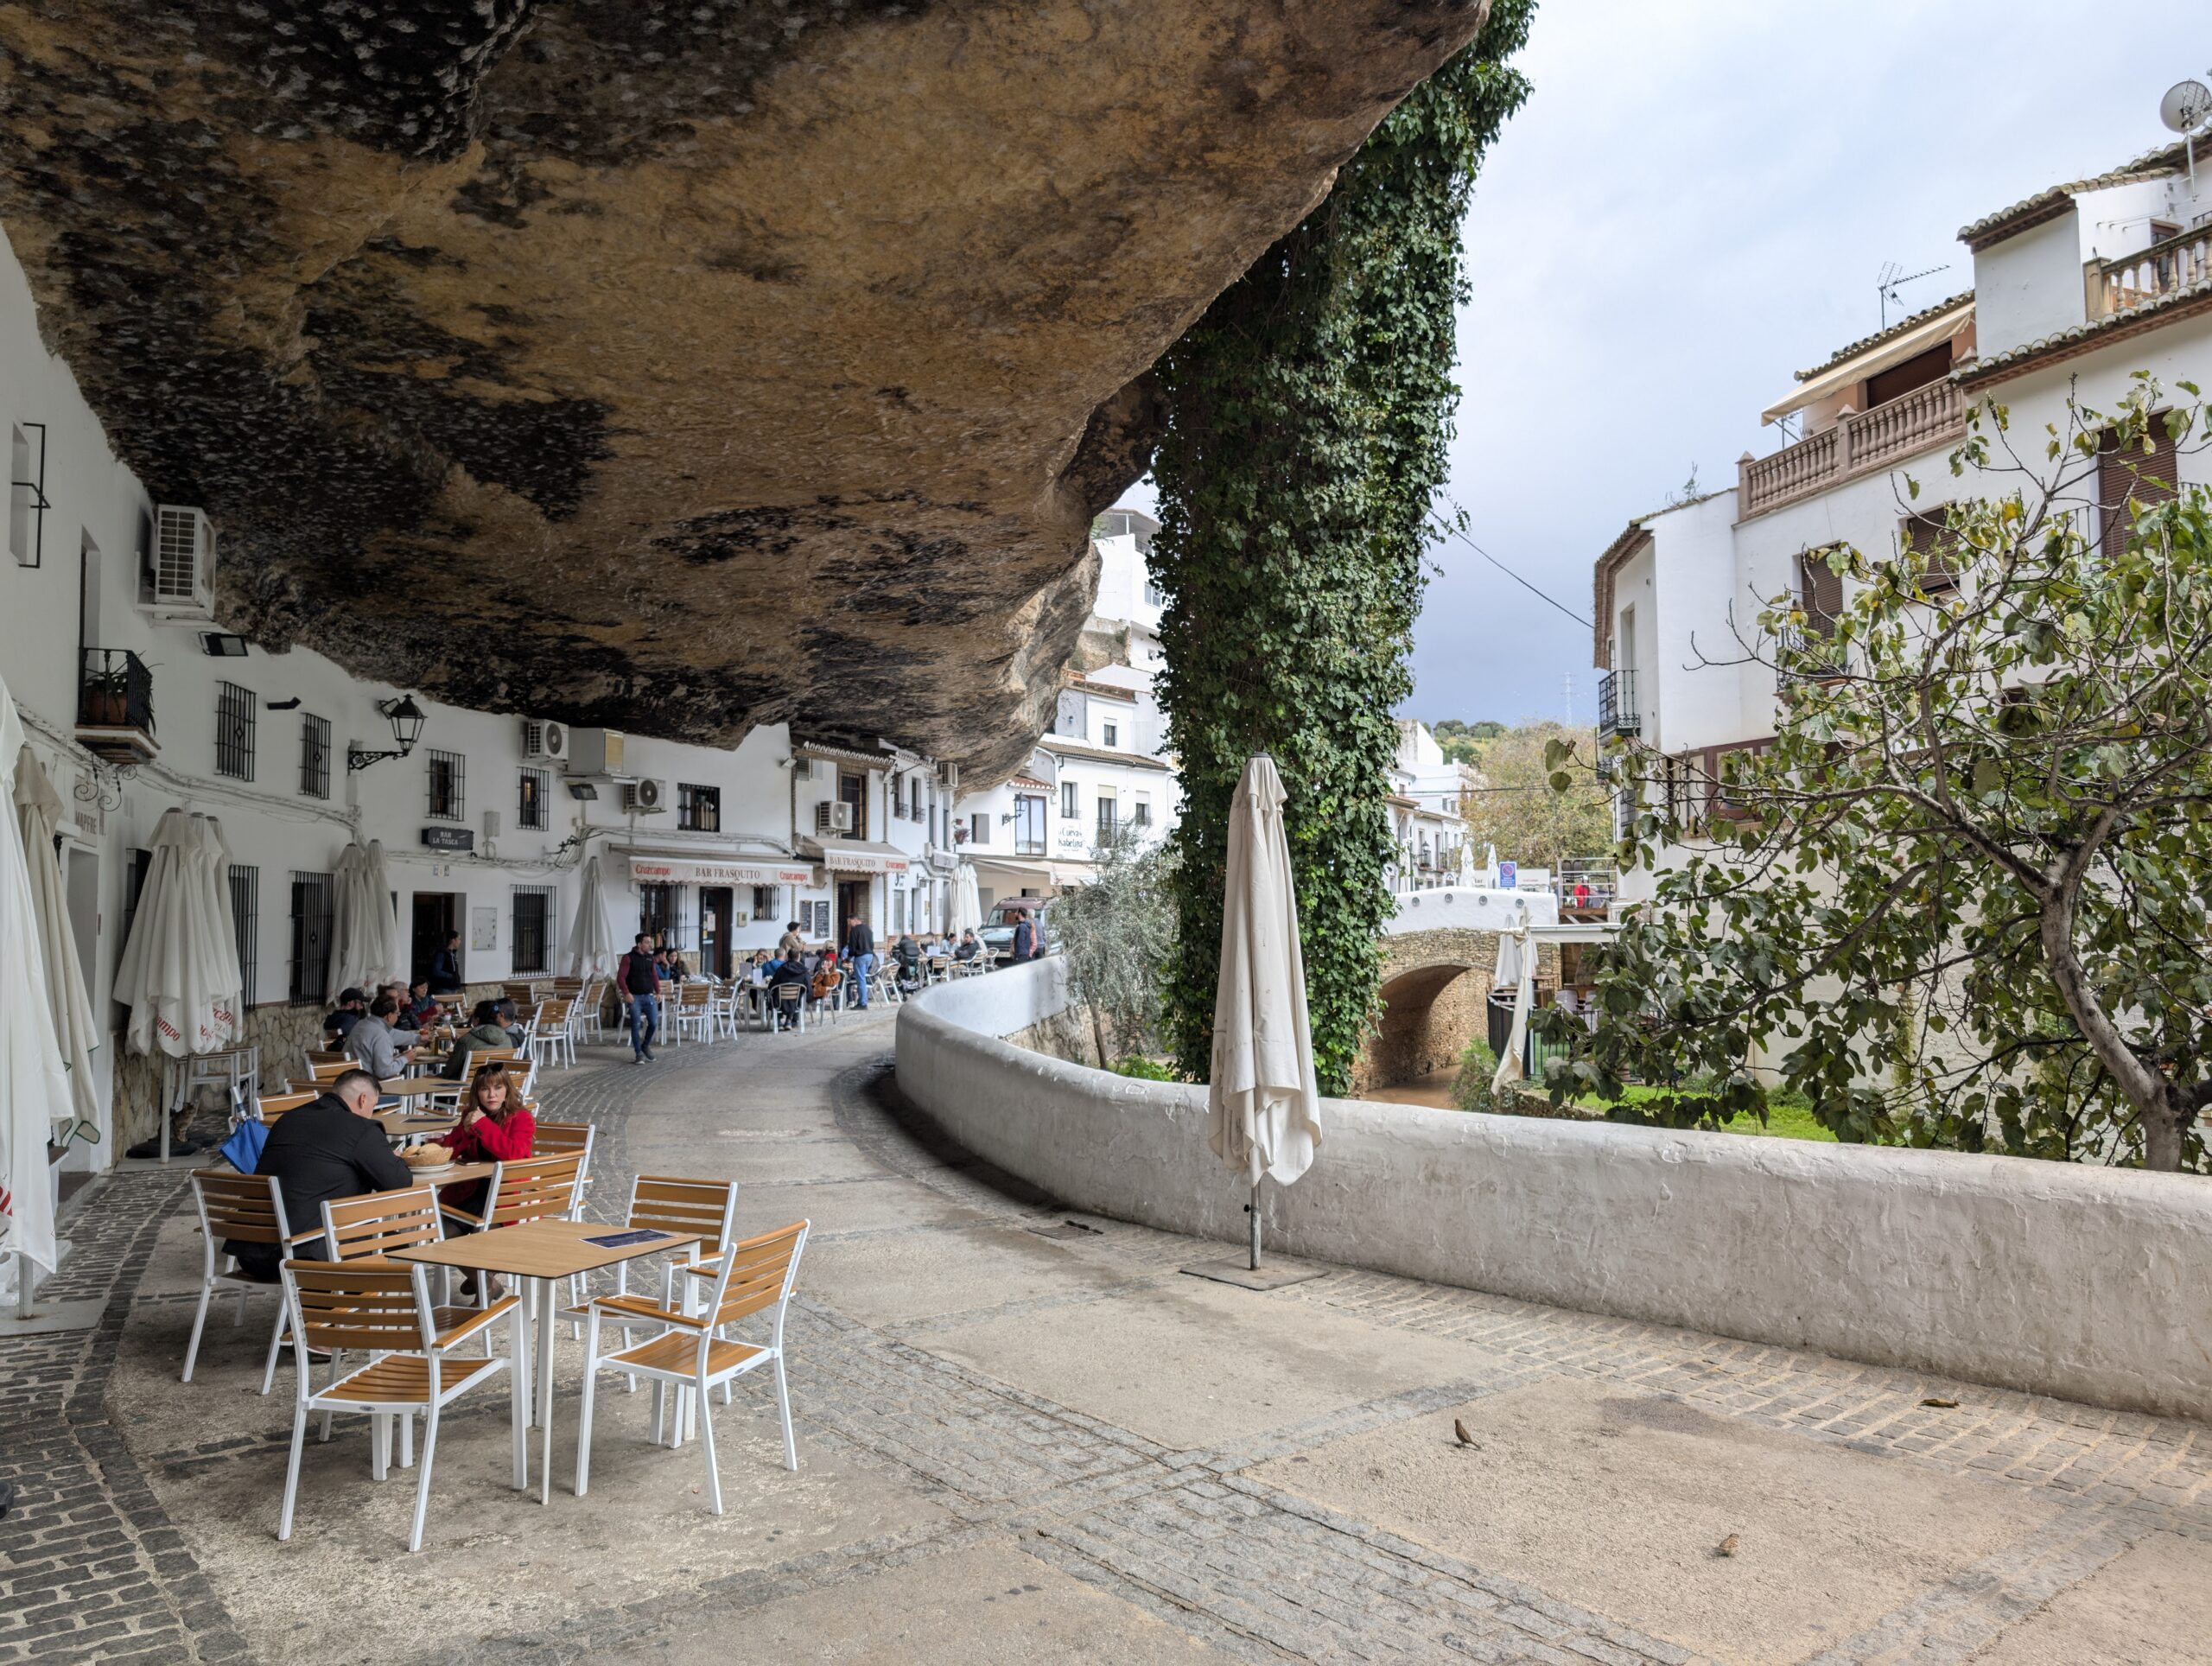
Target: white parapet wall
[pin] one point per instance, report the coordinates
(2054, 1278)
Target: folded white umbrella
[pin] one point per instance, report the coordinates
(33, 1083)
(1524, 963)
(362, 934)
(967, 901)
(591, 937)
(1263, 1105)
(180, 973)
(38, 811)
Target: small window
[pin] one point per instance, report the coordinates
(979, 828)
(245, 925)
(698, 809)
(1929, 534)
(1153, 596)
(1107, 808)
(449, 787)
(1140, 813)
(533, 906)
(763, 902)
(1028, 825)
(1067, 800)
(1113, 734)
(234, 721)
(531, 791)
(314, 756)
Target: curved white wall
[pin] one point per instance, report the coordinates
(2051, 1277)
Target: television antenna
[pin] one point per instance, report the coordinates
(1893, 278)
(2183, 109)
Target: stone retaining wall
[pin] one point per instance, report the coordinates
(2048, 1277)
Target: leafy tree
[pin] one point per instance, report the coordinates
(1965, 891)
(1117, 934)
(1309, 415)
(1462, 742)
(1517, 808)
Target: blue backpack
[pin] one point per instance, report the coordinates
(242, 1151)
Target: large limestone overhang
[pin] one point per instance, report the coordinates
(673, 366)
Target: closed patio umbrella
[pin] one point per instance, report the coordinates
(38, 810)
(1523, 961)
(591, 937)
(1262, 1104)
(34, 1083)
(362, 936)
(179, 974)
(967, 902)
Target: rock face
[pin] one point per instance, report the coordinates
(673, 366)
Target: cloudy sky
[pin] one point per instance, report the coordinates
(1694, 202)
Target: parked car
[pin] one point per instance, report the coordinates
(1006, 913)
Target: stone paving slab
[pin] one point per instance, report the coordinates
(1017, 1447)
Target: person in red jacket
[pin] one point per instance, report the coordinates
(495, 1127)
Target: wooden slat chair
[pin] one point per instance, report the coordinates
(788, 1001)
(385, 1312)
(548, 1036)
(326, 1068)
(690, 1355)
(270, 1106)
(693, 1011)
(315, 1057)
(529, 1189)
(248, 1209)
(668, 1203)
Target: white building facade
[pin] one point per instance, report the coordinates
(135, 700)
(1427, 796)
(2075, 288)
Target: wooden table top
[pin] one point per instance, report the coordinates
(539, 1249)
(417, 1087)
(459, 1174)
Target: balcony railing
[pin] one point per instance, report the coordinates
(1617, 707)
(1587, 885)
(1859, 443)
(115, 706)
(2166, 268)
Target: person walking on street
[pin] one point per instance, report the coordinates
(859, 955)
(1024, 940)
(445, 966)
(639, 983)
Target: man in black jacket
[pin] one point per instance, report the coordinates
(859, 955)
(330, 1148)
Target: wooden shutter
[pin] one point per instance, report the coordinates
(2147, 478)
(1929, 534)
(1820, 587)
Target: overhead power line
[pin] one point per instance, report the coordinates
(1456, 533)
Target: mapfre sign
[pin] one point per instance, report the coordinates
(658, 871)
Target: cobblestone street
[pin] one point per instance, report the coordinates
(1024, 1436)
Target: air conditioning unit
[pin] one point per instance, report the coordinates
(644, 797)
(181, 572)
(832, 816)
(594, 752)
(545, 741)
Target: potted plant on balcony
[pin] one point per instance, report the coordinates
(105, 700)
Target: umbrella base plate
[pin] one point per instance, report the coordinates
(1270, 1275)
(49, 1316)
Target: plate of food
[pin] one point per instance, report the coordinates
(428, 1159)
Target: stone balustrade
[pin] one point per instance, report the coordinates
(1860, 443)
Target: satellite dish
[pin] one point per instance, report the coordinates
(2185, 106)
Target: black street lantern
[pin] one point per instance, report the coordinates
(406, 718)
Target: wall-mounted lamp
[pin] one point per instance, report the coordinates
(582, 792)
(406, 718)
(221, 645)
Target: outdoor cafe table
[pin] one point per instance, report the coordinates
(417, 1087)
(542, 1252)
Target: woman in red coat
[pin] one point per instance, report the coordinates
(495, 1125)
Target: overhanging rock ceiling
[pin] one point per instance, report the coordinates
(673, 366)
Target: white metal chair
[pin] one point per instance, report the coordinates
(694, 1013)
(689, 1355)
(549, 1038)
(386, 1313)
(244, 1209)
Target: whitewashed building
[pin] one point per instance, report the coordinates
(2074, 288)
(1103, 767)
(1428, 794)
(137, 701)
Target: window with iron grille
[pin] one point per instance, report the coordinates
(449, 787)
(656, 911)
(530, 799)
(314, 756)
(313, 896)
(245, 923)
(763, 903)
(234, 717)
(1067, 800)
(1107, 806)
(533, 928)
(698, 809)
(898, 796)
